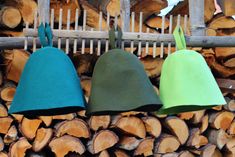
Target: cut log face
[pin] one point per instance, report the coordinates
(5, 124)
(156, 22)
(219, 22)
(99, 122)
(205, 123)
(230, 146)
(75, 127)
(10, 17)
(2, 154)
(230, 63)
(129, 143)
(19, 148)
(27, 10)
(186, 115)
(145, 147)
(218, 137)
(29, 127)
(132, 125)
(221, 120)
(69, 116)
(113, 7)
(104, 153)
(152, 65)
(71, 5)
(228, 7)
(185, 154)
(224, 53)
(198, 115)
(195, 139)
(208, 150)
(16, 65)
(63, 145)
(231, 129)
(102, 140)
(18, 117)
(230, 106)
(47, 120)
(166, 144)
(86, 86)
(178, 127)
(153, 126)
(3, 111)
(8, 91)
(11, 136)
(120, 153)
(42, 138)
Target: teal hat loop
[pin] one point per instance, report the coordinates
(112, 36)
(179, 38)
(45, 34)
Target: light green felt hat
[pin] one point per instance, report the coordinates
(186, 82)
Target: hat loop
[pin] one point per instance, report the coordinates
(179, 38)
(112, 36)
(45, 33)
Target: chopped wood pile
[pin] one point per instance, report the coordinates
(205, 133)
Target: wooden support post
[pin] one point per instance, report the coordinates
(125, 13)
(196, 14)
(44, 10)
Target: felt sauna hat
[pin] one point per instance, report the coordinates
(49, 84)
(119, 84)
(186, 82)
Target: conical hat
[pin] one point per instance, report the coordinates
(187, 84)
(119, 83)
(49, 85)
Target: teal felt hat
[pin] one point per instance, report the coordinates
(186, 82)
(120, 83)
(49, 84)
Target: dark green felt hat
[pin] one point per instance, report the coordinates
(120, 84)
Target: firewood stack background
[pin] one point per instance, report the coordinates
(206, 133)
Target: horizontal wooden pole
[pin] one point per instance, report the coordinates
(192, 41)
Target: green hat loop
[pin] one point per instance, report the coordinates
(49, 84)
(186, 82)
(119, 84)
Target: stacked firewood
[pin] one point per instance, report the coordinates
(206, 133)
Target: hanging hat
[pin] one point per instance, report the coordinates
(49, 84)
(119, 84)
(186, 82)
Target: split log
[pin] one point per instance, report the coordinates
(104, 153)
(16, 60)
(231, 129)
(221, 120)
(230, 106)
(99, 122)
(195, 139)
(82, 113)
(218, 137)
(129, 143)
(10, 17)
(27, 9)
(2, 154)
(155, 21)
(185, 154)
(102, 140)
(204, 124)
(208, 150)
(210, 32)
(107, 6)
(197, 117)
(29, 127)
(75, 127)
(217, 108)
(71, 5)
(166, 144)
(69, 116)
(223, 53)
(145, 147)
(61, 146)
(93, 16)
(230, 63)
(7, 91)
(18, 117)
(42, 139)
(186, 115)
(3, 111)
(133, 113)
(153, 126)
(120, 153)
(226, 86)
(178, 127)
(228, 7)
(19, 148)
(152, 65)
(86, 86)
(230, 145)
(5, 124)
(148, 7)
(221, 22)
(47, 120)
(1, 144)
(11, 136)
(132, 125)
